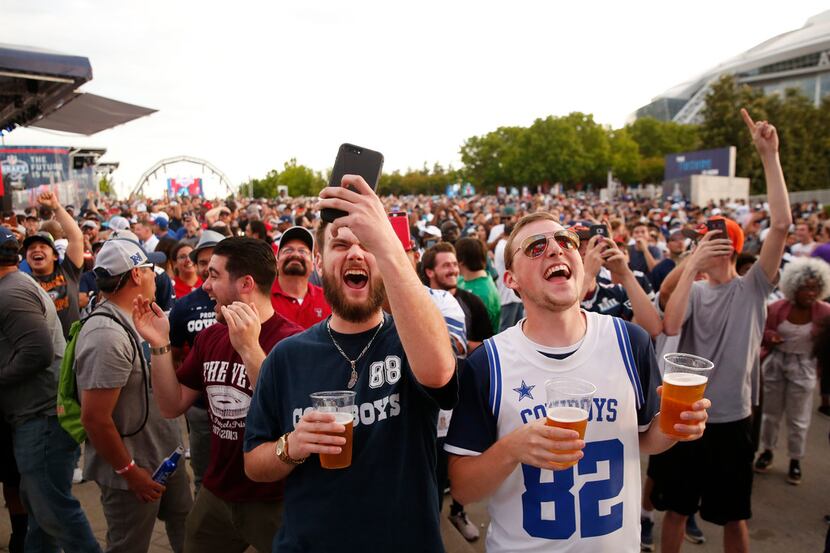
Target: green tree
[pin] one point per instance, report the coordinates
(655, 139)
(105, 186)
(300, 180)
(625, 156)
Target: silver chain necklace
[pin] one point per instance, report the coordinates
(353, 376)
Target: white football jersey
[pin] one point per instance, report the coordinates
(595, 505)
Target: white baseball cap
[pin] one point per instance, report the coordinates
(118, 256)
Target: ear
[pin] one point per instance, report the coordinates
(510, 281)
(429, 273)
(318, 262)
(246, 285)
(135, 276)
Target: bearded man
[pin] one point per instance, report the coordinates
(292, 295)
(402, 371)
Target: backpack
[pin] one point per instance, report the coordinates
(69, 404)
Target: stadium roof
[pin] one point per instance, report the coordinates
(763, 62)
(38, 88)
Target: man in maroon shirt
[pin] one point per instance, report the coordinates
(292, 295)
(231, 512)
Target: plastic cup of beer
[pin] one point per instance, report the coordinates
(684, 382)
(568, 406)
(340, 404)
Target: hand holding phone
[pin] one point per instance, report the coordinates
(718, 225)
(598, 230)
(353, 160)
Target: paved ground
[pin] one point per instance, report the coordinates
(786, 518)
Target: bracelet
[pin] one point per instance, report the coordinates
(127, 468)
(160, 351)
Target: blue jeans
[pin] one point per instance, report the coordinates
(46, 457)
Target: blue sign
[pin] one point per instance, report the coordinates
(719, 162)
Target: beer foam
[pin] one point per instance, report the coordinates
(567, 414)
(343, 418)
(685, 379)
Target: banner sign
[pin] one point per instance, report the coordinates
(719, 162)
(29, 167)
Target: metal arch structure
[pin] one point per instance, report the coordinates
(160, 165)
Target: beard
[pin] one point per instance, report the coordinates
(290, 269)
(352, 312)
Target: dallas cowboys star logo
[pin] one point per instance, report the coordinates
(524, 391)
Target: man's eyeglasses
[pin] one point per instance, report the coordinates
(291, 251)
(535, 245)
(147, 265)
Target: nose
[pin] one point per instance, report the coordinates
(554, 249)
(355, 253)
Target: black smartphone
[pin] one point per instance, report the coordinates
(719, 225)
(598, 230)
(353, 160)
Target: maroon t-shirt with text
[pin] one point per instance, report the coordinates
(214, 366)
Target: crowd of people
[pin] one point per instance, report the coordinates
(230, 313)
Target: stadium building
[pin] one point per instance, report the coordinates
(797, 59)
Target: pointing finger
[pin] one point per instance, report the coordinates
(750, 124)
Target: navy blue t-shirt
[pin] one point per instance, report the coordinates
(191, 315)
(387, 500)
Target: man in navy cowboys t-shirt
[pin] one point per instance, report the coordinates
(387, 500)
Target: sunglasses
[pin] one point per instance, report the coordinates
(535, 245)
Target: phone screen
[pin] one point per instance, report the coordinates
(353, 160)
(598, 230)
(719, 225)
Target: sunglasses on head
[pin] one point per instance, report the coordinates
(535, 245)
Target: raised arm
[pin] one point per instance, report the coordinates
(675, 310)
(645, 313)
(171, 396)
(75, 249)
(765, 138)
(419, 323)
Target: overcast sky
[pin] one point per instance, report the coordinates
(248, 85)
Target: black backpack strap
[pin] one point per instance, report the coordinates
(144, 369)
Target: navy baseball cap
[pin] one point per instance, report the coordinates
(6, 236)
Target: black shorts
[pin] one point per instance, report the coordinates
(712, 474)
(8, 466)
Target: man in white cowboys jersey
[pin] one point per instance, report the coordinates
(500, 446)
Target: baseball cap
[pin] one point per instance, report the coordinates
(734, 232)
(298, 233)
(285, 219)
(162, 223)
(117, 256)
(6, 236)
(40, 237)
(89, 224)
(209, 239)
(155, 257)
(119, 223)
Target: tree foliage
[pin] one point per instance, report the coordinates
(575, 150)
(802, 130)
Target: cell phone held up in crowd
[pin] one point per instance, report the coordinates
(598, 230)
(400, 222)
(353, 160)
(718, 225)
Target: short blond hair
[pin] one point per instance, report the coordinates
(509, 250)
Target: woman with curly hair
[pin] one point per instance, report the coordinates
(789, 370)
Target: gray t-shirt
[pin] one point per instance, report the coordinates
(725, 324)
(31, 349)
(105, 358)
